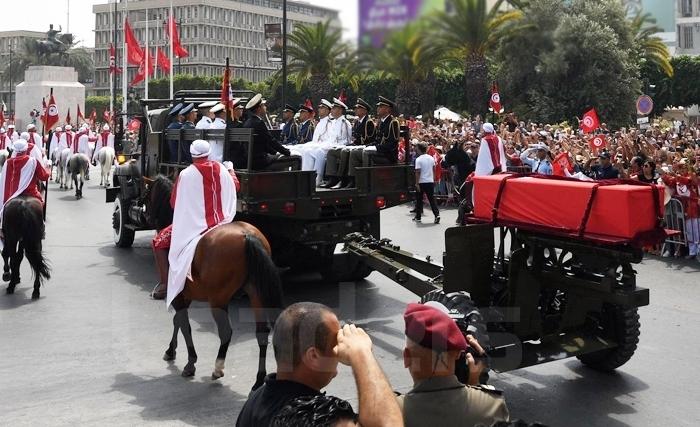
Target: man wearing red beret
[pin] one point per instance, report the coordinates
(433, 345)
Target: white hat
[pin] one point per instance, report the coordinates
(69, 127)
(31, 126)
(20, 145)
(218, 107)
(105, 127)
(338, 103)
(254, 102)
(58, 129)
(2, 130)
(207, 104)
(11, 126)
(488, 128)
(544, 147)
(200, 148)
(24, 136)
(326, 103)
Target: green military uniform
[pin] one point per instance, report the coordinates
(446, 402)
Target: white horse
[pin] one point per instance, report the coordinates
(78, 166)
(4, 155)
(106, 159)
(62, 161)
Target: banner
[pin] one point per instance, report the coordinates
(378, 18)
(273, 42)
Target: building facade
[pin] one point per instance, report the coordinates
(687, 27)
(210, 30)
(11, 43)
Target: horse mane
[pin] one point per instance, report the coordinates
(161, 213)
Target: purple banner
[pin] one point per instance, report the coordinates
(380, 17)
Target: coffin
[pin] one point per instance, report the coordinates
(607, 210)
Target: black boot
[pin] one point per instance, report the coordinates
(330, 183)
(351, 182)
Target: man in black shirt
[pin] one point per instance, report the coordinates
(604, 170)
(308, 344)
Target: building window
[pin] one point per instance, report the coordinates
(686, 8)
(688, 37)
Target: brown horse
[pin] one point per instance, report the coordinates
(231, 257)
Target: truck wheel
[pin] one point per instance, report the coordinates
(123, 237)
(622, 325)
(471, 323)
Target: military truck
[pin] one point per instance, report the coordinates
(302, 222)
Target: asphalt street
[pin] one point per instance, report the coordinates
(89, 351)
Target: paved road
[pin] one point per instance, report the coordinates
(89, 351)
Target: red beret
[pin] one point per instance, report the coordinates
(431, 328)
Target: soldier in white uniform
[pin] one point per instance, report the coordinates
(341, 134)
(313, 155)
(207, 115)
(219, 122)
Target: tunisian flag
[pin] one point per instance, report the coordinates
(51, 113)
(141, 74)
(495, 101)
(171, 31)
(134, 53)
(562, 162)
(163, 61)
(113, 60)
(590, 121)
(598, 142)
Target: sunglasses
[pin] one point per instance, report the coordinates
(647, 166)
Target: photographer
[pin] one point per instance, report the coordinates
(434, 344)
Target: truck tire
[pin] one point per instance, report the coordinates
(123, 237)
(473, 324)
(622, 325)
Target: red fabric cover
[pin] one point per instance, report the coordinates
(619, 211)
(431, 328)
(163, 238)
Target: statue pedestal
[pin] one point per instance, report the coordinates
(37, 84)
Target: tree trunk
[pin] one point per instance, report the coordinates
(476, 83)
(320, 87)
(407, 98)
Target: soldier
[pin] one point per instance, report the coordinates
(265, 148)
(237, 108)
(313, 153)
(386, 148)
(290, 131)
(175, 124)
(306, 130)
(434, 343)
(217, 145)
(342, 137)
(363, 131)
(189, 113)
(207, 115)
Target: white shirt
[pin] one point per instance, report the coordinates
(426, 164)
(341, 131)
(218, 123)
(204, 123)
(323, 133)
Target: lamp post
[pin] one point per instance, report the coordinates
(284, 52)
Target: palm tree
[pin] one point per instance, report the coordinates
(651, 48)
(318, 59)
(410, 57)
(471, 30)
(78, 58)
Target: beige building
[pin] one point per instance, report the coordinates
(210, 30)
(687, 27)
(11, 42)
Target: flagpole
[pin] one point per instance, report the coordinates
(171, 20)
(147, 54)
(125, 69)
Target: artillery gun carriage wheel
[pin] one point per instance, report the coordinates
(123, 236)
(621, 325)
(469, 320)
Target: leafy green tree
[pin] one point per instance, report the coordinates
(318, 58)
(650, 48)
(29, 55)
(472, 30)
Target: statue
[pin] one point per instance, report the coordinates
(54, 44)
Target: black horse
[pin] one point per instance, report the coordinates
(23, 228)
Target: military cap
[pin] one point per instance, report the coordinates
(361, 103)
(255, 102)
(432, 328)
(208, 104)
(289, 108)
(325, 103)
(338, 103)
(238, 103)
(386, 101)
(187, 109)
(217, 108)
(303, 107)
(176, 109)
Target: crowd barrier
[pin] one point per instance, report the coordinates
(675, 220)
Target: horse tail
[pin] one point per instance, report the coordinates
(262, 273)
(32, 232)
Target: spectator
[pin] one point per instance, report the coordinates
(434, 343)
(308, 344)
(541, 163)
(425, 182)
(603, 170)
(316, 411)
(685, 183)
(647, 173)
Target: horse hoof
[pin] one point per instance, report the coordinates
(6, 277)
(10, 290)
(216, 375)
(188, 372)
(169, 356)
(35, 295)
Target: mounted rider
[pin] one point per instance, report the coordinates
(67, 138)
(33, 149)
(35, 138)
(54, 143)
(5, 143)
(12, 134)
(207, 199)
(21, 177)
(104, 139)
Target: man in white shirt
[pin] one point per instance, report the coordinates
(313, 155)
(207, 115)
(341, 136)
(425, 182)
(217, 145)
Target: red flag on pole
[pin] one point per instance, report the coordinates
(495, 101)
(93, 116)
(590, 121)
(134, 53)
(68, 117)
(163, 61)
(113, 60)
(226, 97)
(598, 142)
(107, 116)
(309, 103)
(44, 110)
(2, 117)
(80, 115)
(171, 28)
(141, 74)
(342, 97)
(51, 113)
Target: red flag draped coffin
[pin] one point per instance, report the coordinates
(620, 211)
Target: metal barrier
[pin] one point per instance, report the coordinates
(675, 220)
